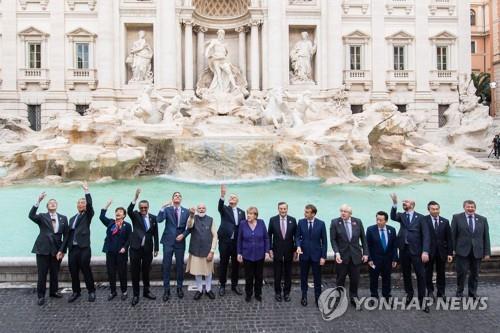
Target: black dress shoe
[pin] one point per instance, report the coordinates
(180, 293)
(408, 299)
(353, 303)
(303, 301)
(287, 298)
(92, 297)
(124, 296)
(135, 300)
(197, 296)
(258, 298)
(426, 309)
(248, 298)
(111, 296)
(56, 295)
(149, 295)
(73, 297)
(222, 291)
(237, 290)
(277, 297)
(316, 302)
(210, 294)
(166, 295)
(41, 301)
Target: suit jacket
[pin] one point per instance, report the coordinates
(464, 240)
(415, 231)
(49, 242)
(376, 252)
(283, 248)
(114, 244)
(314, 247)
(348, 249)
(172, 229)
(228, 225)
(138, 231)
(441, 242)
(81, 233)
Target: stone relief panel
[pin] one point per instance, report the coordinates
(302, 54)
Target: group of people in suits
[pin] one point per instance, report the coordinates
(424, 243)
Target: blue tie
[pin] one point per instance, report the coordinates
(408, 218)
(145, 224)
(383, 240)
(471, 224)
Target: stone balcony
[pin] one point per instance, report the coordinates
(81, 76)
(447, 6)
(358, 77)
(446, 77)
(33, 75)
(400, 77)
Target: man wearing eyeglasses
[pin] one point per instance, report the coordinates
(143, 246)
(48, 246)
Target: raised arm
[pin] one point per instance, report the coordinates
(88, 198)
(33, 216)
(394, 214)
(220, 206)
(103, 217)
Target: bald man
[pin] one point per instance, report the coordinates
(230, 217)
(414, 244)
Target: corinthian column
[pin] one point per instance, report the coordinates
(200, 50)
(188, 55)
(254, 65)
(242, 52)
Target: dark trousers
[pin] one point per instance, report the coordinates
(352, 270)
(253, 276)
(282, 268)
(140, 261)
(382, 268)
(117, 263)
(407, 261)
(464, 264)
(79, 260)
(227, 250)
(44, 265)
(440, 264)
(168, 252)
(304, 273)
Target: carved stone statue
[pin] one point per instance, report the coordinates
(301, 57)
(139, 60)
(274, 112)
(144, 107)
(173, 112)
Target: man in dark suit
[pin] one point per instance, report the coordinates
(414, 245)
(311, 248)
(441, 249)
(349, 245)
(174, 242)
(282, 230)
(230, 217)
(381, 240)
(48, 246)
(143, 246)
(78, 243)
(471, 243)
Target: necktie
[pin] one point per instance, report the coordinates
(471, 224)
(145, 223)
(76, 220)
(310, 229)
(176, 216)
(235, 215)
(346, 224)
(383, 240)
(408, 217)
(283, 227)
(54, 225)
(436, 223)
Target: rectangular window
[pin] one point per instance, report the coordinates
(399, 58)
(401, 107)
(473, 46)
(82, 55)
(35, 117)
(442, 58)
(441, 117)
(355, 52)
(35, 55)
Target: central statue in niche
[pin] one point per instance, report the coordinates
(221, 83)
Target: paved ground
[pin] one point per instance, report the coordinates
(19, 313)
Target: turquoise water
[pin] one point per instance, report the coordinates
(18, 232)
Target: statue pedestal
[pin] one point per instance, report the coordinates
(224, 103)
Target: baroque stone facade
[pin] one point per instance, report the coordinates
(61, 56)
